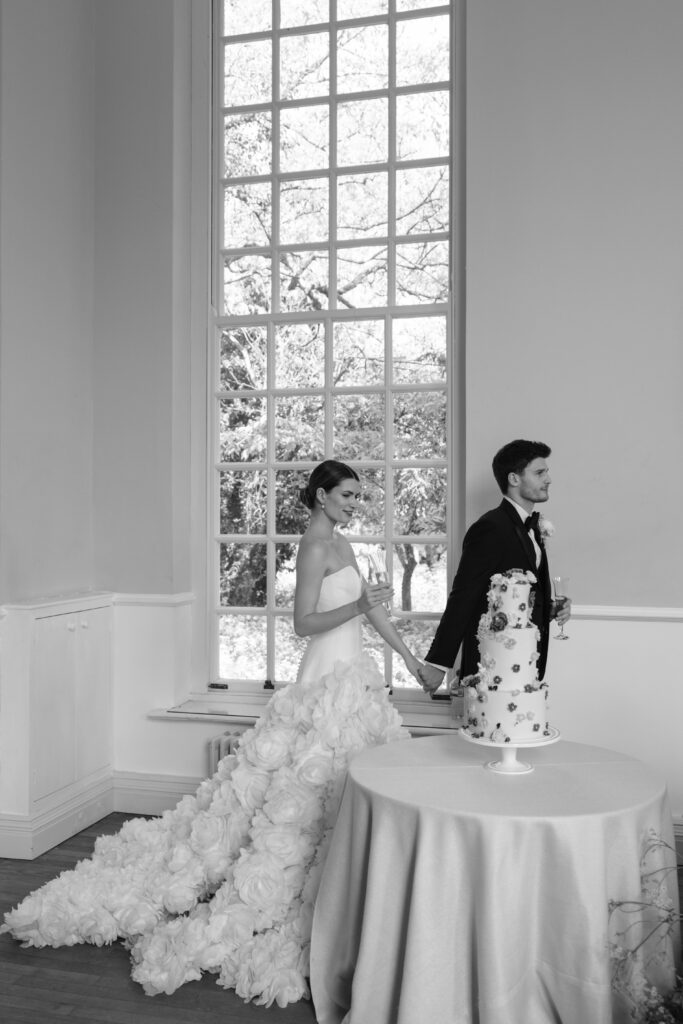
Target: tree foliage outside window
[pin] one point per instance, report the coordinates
(334, 307)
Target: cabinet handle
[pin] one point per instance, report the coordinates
(71, 627)
(84, 625)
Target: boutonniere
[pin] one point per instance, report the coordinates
(545, 527)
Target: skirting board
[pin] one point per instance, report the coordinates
(26, 836)
(138, 793)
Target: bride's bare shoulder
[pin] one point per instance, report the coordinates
(313, 550)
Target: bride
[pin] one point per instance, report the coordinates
(226, 881)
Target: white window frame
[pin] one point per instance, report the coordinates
(245, 702)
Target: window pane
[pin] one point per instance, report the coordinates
(247, 16)
(246, 284)
(247, 215)
(420, 425)
(305, 138)
(304, 65)
(291, 515)
(304, 280)
(420, 577)
(303, 12)
(422, 200)
(289, 650)
(299, 428)
(358, 352)
(362, 277)
(362, 130)
(358, 427)
(419, 350)
(420, 501)
(362, 58)
(243, 575)
(248, 77)
(422, 272)
(422, 51)
(300, 356)
(360, 8)
(422, 125)
(247, 144)
(304, 211)
(243, 353)
(243, 432)
(242, 647)
(362, 205)
(371, 516)
(243, 501)
(285, 578)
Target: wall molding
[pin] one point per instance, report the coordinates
(627, 613)
(154, 600)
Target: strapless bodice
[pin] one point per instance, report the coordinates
(338, 588)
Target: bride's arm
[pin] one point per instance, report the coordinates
(311, 564)
(386, 629)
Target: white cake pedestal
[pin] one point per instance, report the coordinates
(508, 764)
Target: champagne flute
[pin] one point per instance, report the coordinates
(378, 571)
(561, 594)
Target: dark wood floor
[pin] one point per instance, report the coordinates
(89, 985)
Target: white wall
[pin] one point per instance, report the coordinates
(46, 297)
(574, 270)
(142, 295)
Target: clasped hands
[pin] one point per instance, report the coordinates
(430, 678)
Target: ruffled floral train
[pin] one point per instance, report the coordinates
(226, 881)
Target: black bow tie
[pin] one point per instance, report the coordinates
(531, 523)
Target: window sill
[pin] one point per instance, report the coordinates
(421, 715)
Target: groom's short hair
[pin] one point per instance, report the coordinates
(514, 457)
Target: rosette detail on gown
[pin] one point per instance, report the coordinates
(226, 881)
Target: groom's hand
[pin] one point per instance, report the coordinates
(431, 678)
(561, 611)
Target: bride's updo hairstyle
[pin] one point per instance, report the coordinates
(327, 475)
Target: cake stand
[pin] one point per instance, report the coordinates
(508, 764)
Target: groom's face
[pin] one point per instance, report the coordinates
(534, 481)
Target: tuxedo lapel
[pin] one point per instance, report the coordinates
(521, 534)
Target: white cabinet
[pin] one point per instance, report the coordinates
(56, 723)
(70, 708)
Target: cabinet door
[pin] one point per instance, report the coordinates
(52, 754)
(93, 699)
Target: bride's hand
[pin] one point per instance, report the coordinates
(414, 666)
(374, 594)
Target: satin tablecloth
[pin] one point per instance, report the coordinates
(455, 895)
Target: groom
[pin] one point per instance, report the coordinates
(507, 537)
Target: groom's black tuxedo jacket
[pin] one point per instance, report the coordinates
(494, 543)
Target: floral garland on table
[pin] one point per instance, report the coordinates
(644, 932)
(240, 862)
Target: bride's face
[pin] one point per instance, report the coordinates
(341, 503)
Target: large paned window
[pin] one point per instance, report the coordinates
(333, 332)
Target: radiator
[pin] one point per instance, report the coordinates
(222, 745)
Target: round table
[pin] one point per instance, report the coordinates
(456, 895)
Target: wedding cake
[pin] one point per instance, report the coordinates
(504, 701)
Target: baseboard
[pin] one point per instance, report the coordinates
(26, 836)
(137, 793)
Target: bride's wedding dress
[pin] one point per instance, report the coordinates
(226, 881)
